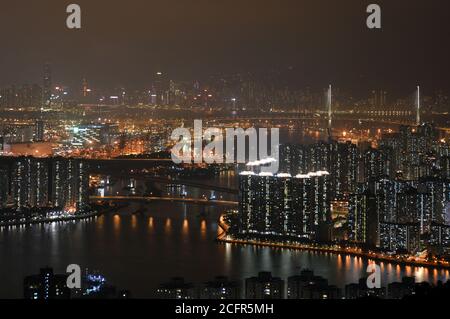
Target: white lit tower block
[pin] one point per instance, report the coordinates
(29, 185)
(284, 205)
(69, 184)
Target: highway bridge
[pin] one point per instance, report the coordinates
(196, 184)
(126, 168)
(198, 201)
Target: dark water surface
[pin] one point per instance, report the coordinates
(137, 252)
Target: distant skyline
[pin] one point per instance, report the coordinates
(123, 43)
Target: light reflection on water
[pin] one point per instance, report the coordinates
(186, 227)
(168, 226)
(133, 222)
(117, 224)
(139, 251)
(150, 223)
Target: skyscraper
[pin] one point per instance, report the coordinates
(47, 86)
(85, 88)
(389, 214)
(69, 183)
(285, 206)
(45, 182)
(343, 167)
(29, 182)
(376, 165)
(339, 159)
(363, 219)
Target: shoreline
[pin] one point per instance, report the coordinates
(51, 220)
(336, 251)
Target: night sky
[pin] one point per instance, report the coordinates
(125, 42)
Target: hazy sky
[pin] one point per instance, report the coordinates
(125, 42)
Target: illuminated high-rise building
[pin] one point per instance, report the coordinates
(387, 192)
(69, 184)
(438, 191)
(440, 236)
(85, 88)
(400, 237)
(412, 152)
(444, 163)
(343, 168)
(400, 215)
(47, 86)
(45, 182)
(285, 206)
(376, 165)
(339, 159)
(29, 182)
(363, 219)
(160, 89)
(4, 186)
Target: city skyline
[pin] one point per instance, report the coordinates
(235, 91)
(212, 150)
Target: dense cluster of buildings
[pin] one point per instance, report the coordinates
(48, 285)
(54, 185)
(21, 133)
(305, 285)
(263, 286)
(21, 96)
(397, 194)
(219, 288)
(268, 91)
(27, 96)
(286, 206)
(92, 134)
(401, 216)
